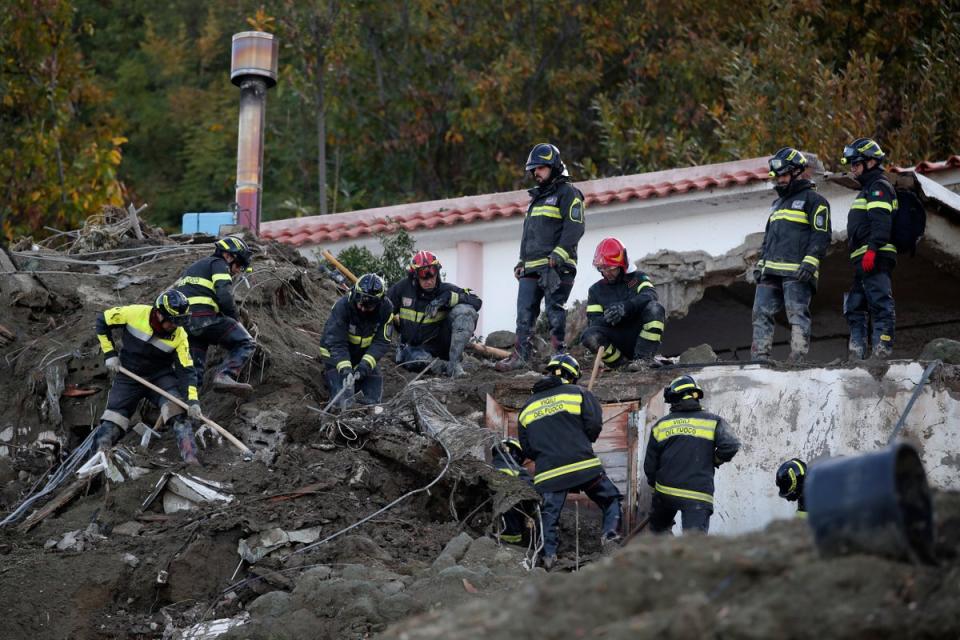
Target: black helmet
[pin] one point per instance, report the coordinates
(682, 388)
(861, 150)
(544, 155)
(512, 447)
(564, 365)
(790, 477)
(367, 294)
(236, 247)
(786, 160)
(174, 306)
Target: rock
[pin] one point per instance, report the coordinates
(362, 548)
(130, 560)
(501, 339)
(129, 528)
(701, 354)
(322, 572)
(942, 349)
(392, 588)
(454, 550)
(482, 551)
(270, 605)
(454, 576)
(399, 606)
(362, 607)
(70, 542)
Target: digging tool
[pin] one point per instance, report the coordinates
(488, 350)
(247, 452)
(637, 529)
(339, 266)
(596, 368)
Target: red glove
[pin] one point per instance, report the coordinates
(869, 258)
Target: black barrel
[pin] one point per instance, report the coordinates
(874, 503)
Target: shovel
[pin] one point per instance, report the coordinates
(247, 453)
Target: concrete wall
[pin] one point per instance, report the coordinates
(812, 414)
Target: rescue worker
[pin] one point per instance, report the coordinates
(436, 319)
(208, 286)
(356, 336)
(795, 241)
(508, 458)
(557, 427)
(154, 347)
(552, 230)
(623, 314)
(790, 477)
(871, 252)
(684, 449)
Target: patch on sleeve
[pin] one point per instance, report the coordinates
(576, 210)
(820, 221)
(798, 204)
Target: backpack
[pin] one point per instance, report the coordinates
(909, 222)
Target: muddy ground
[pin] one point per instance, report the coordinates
(106, 567)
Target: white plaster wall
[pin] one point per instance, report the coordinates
(815, 413)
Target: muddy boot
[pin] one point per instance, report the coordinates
(856, 351)
(548, 562)
(882, 351)
(463, 321)
(185, 442)
(799, 345)
(643, 364)
(558, 345)
(107, 435)
(223, 382)
(517, 359)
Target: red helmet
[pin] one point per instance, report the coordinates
(424, 260)
(610, 253)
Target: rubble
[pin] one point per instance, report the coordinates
(346, 525)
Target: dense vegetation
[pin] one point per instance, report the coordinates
(387, 102)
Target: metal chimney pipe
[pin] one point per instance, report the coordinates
(253, 68)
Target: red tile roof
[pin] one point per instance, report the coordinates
(429, 215)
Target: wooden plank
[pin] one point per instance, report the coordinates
(63, 498)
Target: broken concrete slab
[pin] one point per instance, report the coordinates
(701, 354)
(258, 546)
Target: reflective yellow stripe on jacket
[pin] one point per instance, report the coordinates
(684, 493)
(419, 317)
(569, 402)
(567, 468)
(546, 210)
(696, 427)
(793, 215)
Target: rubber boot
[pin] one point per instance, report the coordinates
(458, 342)
(107, 435)
(882, 351)
(185, 442)
(799, 345)
(644, 357)
(516, 360)
(856, 351)
(223, 382)
(558, 345)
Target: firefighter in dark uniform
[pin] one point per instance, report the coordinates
(790, 478)
(208, 286)
(623, 314)
(552, 229)
(795, 241)
(684, 449)
(436, 319)
(356, 336)
(155, 348)
(872, 254)
(508, 458)
(557, 427)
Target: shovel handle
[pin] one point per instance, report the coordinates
(339, 266)
(596, 368)
(172, 398)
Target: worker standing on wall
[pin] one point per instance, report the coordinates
(552, 229)
(794, 243)
(873, 255)
(685, 448)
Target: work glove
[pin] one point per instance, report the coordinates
(361, 371)
(615, 313)
(442, 300)
(195, 412)
(805, 272)
(549, 280)
(518, 270)
(113, 364)
(754, 275)
(869, 260)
